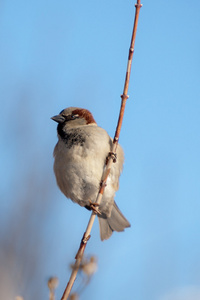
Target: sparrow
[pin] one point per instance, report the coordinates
(80, 157)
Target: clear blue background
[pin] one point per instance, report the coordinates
(56, 54)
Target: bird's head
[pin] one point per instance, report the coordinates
(73, 117)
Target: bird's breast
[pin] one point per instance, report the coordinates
(73, 139)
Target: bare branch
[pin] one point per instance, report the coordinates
(110, 159)
(52, 285)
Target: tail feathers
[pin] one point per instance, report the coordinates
(116, 222)
(105, 229)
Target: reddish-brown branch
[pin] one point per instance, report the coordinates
(110, 159)
(125, 96)
(78, 258)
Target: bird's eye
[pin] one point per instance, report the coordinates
(74, 117)
(69, 117)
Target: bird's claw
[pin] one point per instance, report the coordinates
(113, 155)
(94, 206)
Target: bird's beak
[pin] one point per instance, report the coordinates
(58, 119)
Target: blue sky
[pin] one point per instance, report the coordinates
(56, 54)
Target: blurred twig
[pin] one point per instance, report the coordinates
(87, 269)
(110, 160)
(52, 285)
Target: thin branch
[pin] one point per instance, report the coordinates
(52, 285)
(106, 172)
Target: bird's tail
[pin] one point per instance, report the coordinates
(116, 222)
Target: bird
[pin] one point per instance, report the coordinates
(80, 157)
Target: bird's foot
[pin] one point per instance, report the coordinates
(94, 206)
(113, 156)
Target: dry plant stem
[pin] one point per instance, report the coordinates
(106, 172)
(51, 295)
(125, 96)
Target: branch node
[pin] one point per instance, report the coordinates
(138, 5)
(124, 97)
(85, 238)
(103, 184)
